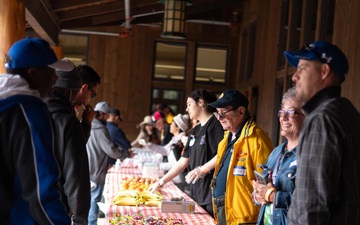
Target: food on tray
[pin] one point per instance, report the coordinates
(136, 183)
(140, 219)
(135, 198)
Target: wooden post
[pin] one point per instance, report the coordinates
(12, 26)
(59, 51)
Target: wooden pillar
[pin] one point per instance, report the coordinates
(59, 51)
(12, 26)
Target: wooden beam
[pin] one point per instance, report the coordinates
(42, 21)
(59, 6)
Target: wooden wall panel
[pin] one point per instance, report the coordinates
(346, 36)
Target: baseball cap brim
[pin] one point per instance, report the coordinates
(62, 65)
(220, 103)
(294, 57)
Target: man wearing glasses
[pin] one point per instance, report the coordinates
(244, 147)
(328, 174)
(91, 81)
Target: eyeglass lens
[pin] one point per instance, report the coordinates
(93, 93)
(289, 114)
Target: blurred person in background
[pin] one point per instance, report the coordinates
(168, 112)
(174, 148)
(99, 147)
(118, 137)
(147, 132)
(159, 122)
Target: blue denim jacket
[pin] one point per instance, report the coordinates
(284, 184)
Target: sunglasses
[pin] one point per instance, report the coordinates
(93, 93)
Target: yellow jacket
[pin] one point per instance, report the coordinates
(252, 148)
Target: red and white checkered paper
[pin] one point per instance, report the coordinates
(112, 185)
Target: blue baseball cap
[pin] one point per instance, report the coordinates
(34, 52)
(323, 52)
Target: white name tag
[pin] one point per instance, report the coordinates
(239, 171)
(294, 163)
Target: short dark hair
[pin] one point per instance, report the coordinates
(88, 75)
(206, 95)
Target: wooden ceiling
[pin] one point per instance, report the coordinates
(49, 17)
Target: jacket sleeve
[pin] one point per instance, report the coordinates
(121, 140)
(37, 169)
(76, 172)
(109, 147)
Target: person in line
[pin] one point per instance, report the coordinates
(173, 149)
(200, 148)
(70, 145)
(159, 122)
(30, 190)
(99, 147)
(147, 132)
(91, 81)
(280, 168)
(118, 137)
(168, 112)
(328, 154)
(243, 148)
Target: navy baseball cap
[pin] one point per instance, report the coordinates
(230, 98)
(323, 52)
(34, 52)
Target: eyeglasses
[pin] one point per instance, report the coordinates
(223, 113)
(321, 57)
(289, 114)
(93, 93)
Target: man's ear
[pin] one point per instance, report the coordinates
(325, 71)
(31, 77)
(241, 110)
(83, 88)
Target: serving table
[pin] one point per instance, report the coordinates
(169, 190)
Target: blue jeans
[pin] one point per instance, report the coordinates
(96, 193)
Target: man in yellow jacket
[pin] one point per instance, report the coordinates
(244, 147)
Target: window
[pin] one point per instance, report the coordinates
(173, 98)
(211, 63)
(170, 61)
(75, 47)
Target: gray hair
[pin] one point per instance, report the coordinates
(290, 93)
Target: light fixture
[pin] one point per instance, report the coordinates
(174, 19)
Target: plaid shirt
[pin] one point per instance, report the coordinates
(328, 177)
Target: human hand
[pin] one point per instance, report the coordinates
(154, 187)
(260, 191)
(144, 143)
(88, 113)
(194, 175)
